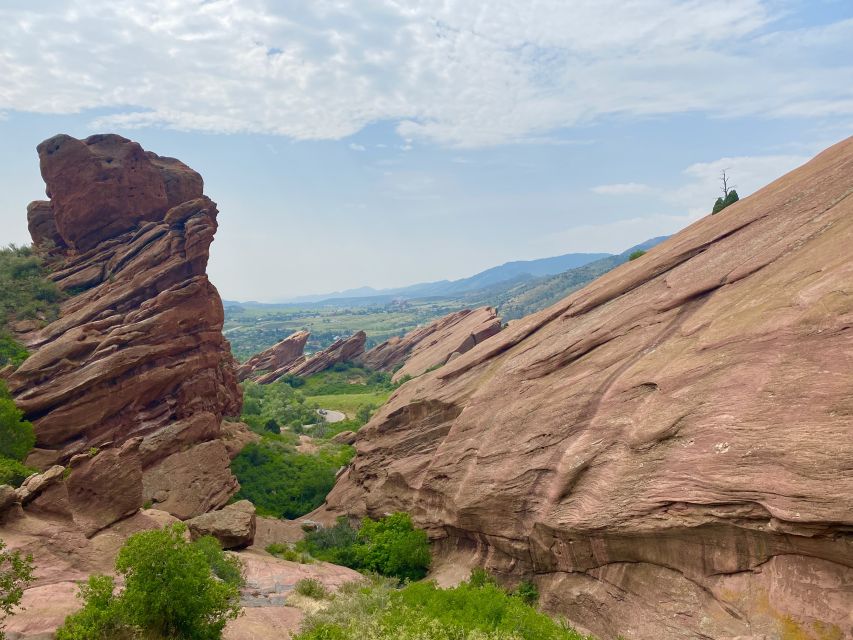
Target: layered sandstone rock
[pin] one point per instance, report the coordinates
(666, 452)
(433, 345)
(233, 526)
(343, 350)
(137, 351)
(275, 361)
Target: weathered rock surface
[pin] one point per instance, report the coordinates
(137, 350)
(106, 185)
(235, 436)
(667, 451)
(433, 345)
(275, 361)
(233, 525)
(342, 350)
(191, 482)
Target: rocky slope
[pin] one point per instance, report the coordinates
(666, 452)
(434, 344)
(274, 362)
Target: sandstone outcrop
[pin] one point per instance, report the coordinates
(342, 350)
(233, 525)
(433, 345)
(666, 452)
(137, 352)
(274, 362)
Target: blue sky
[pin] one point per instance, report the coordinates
(389, 142)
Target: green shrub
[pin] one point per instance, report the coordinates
(11, 352)
(13, 472)
(311, 588)
(722, 203)
(422, 611)
(288, 552)
(639, 253)
(16, 573)
(390, 546)
(173, 589)
(528, 592)
(17, 436)
(283, 483)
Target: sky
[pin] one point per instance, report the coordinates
(388, 142)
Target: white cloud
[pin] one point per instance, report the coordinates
(457, 73)
(623, 189)
(357, 147)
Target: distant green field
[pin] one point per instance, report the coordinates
(252, 328)
(349, 403)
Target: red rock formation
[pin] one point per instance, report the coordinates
(666, 452)
(434, 344)
(138, 348)
(342, 350)
(275, 360)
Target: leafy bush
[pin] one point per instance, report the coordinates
(639, 253)
(13, 472)
(17, 436)
(722, 203)
(528, 592)
(16, 573)
(311, 588)
(374, 610)
(283, 483)
(173, 589)
(25, 294)
(277, 403)
(288, 552)
(390, 546)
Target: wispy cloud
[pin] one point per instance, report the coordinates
(357, 147)
(459, 74)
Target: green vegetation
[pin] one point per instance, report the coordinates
(375, 610)
(288, 552)
(390, 546)
(17, 438)
(25, 294)
(252, 327)
(173, 589)
(730, 198)
(269, 408)
(16, 573)
(311, 588)
(639, 253)
(284, 483)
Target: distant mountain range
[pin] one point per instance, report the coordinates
(525, 269)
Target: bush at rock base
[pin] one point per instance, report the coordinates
(173, 589)
(375, 610)
(16, 572)
(390, 546)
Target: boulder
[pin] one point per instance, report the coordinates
(192, 482)
(233, 525)
(106, 185)
(105, 488)
(42, 225)
(8, 497)
(276, 359)
(235, 436)
(666, 452)
(39, 482)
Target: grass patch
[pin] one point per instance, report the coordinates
(376, 610)
(349, 403)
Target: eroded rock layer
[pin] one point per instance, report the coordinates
(666, 452)
(277, 359)
(138, 348)
(435, 343)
